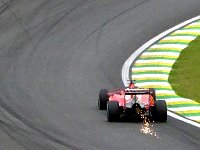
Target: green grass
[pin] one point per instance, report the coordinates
(185, 75)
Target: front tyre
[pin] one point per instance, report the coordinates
(103, 99)
(113, 111)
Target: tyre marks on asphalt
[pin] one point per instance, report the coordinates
(153, 67)
(5, 5)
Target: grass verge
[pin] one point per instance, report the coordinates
(185, 75)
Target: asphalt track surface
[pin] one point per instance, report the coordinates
(55, 55)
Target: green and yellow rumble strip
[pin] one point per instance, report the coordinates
(153, 67)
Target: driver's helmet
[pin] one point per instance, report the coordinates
(131, 86)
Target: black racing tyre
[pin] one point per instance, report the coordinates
(113, 111)
(153, 93)
(160, 111)
(103, 99)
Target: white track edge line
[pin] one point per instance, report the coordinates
(169, 113)
(133, 57)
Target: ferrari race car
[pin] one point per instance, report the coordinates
(132, 103)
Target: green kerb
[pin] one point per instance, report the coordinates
(183, 105)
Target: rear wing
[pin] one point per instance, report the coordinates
(136, 91)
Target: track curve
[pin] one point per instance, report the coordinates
(56, 55)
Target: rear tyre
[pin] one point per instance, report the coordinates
(113, 111)
(153, 93)
(103, 99)
(160, 111)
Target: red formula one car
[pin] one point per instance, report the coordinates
(132, 103)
